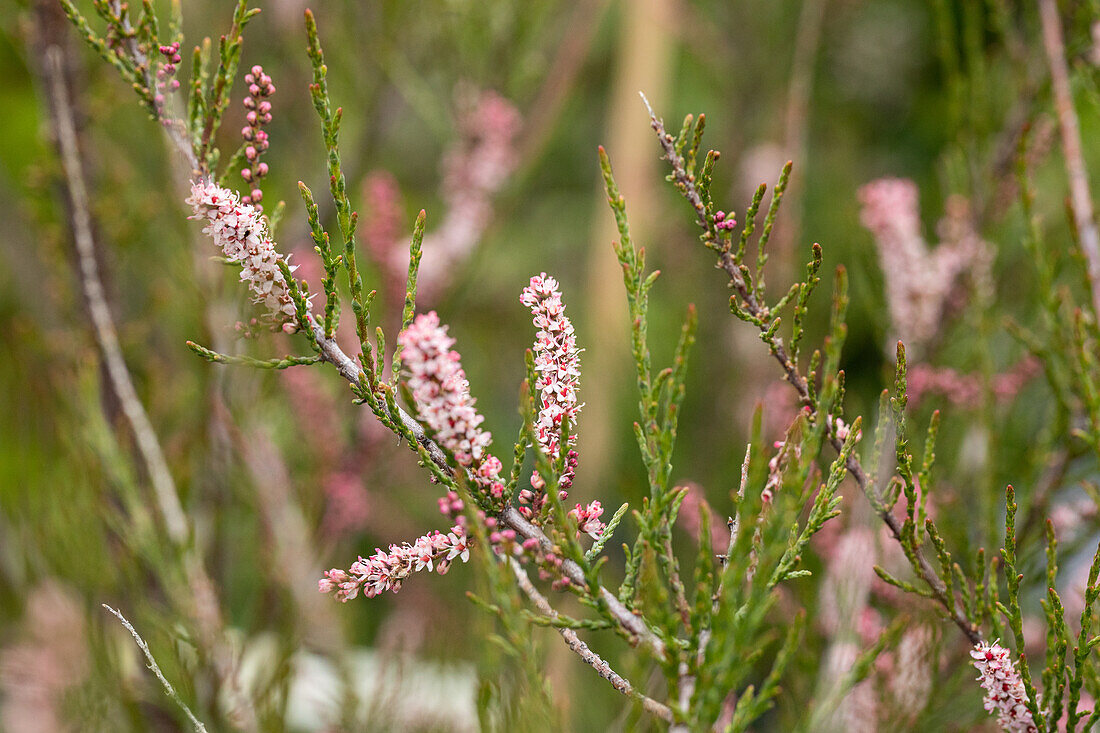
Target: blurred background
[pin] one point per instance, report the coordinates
(487, 114)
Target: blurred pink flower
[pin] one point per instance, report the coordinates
(965, 390)
(918, 280)
(475, 169)
(50, 657)
(688, 519)
(347, 504)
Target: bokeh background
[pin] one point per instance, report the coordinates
(281, 475)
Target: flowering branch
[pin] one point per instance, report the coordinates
(753, 310)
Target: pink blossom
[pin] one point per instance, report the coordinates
(258, 114)
(383, 231)
(558, 369)
(347, 503)
(841, 428)
(588, 519)
(385, 571)
(443, 402)
(557, 363)
(1005, 694)
(474, 170)
(688, 518)
(239, 230)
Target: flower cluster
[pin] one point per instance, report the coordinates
(240, 231)
(722, 223)
(442, 395)
(258, 114)
(557, 363)
(919, 281)
(588, 519)
(385, 571)
(166, 81)
(841, 428)
(1004, 688)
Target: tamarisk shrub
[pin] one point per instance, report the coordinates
(722, 631)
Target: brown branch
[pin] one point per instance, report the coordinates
(1080, 197)
(686, 184)
(582, 650)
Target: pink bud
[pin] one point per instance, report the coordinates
(261, 170)
(265, 107)
(257, 70)
(250, 152)
(246, 174)
(251, 118)
(254, 90)
(257, 195)
(249, 103)
(247, 132)
(290, 328)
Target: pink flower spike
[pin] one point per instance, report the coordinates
(443, 402)
(384, 571)
(557, 362)
(240, 232)
(588, 519)
(1005, 694)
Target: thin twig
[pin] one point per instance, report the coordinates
(1080, 197)
(582, 650)
(164, 487)
(791, 373)
(199, 727)
(177, 135)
